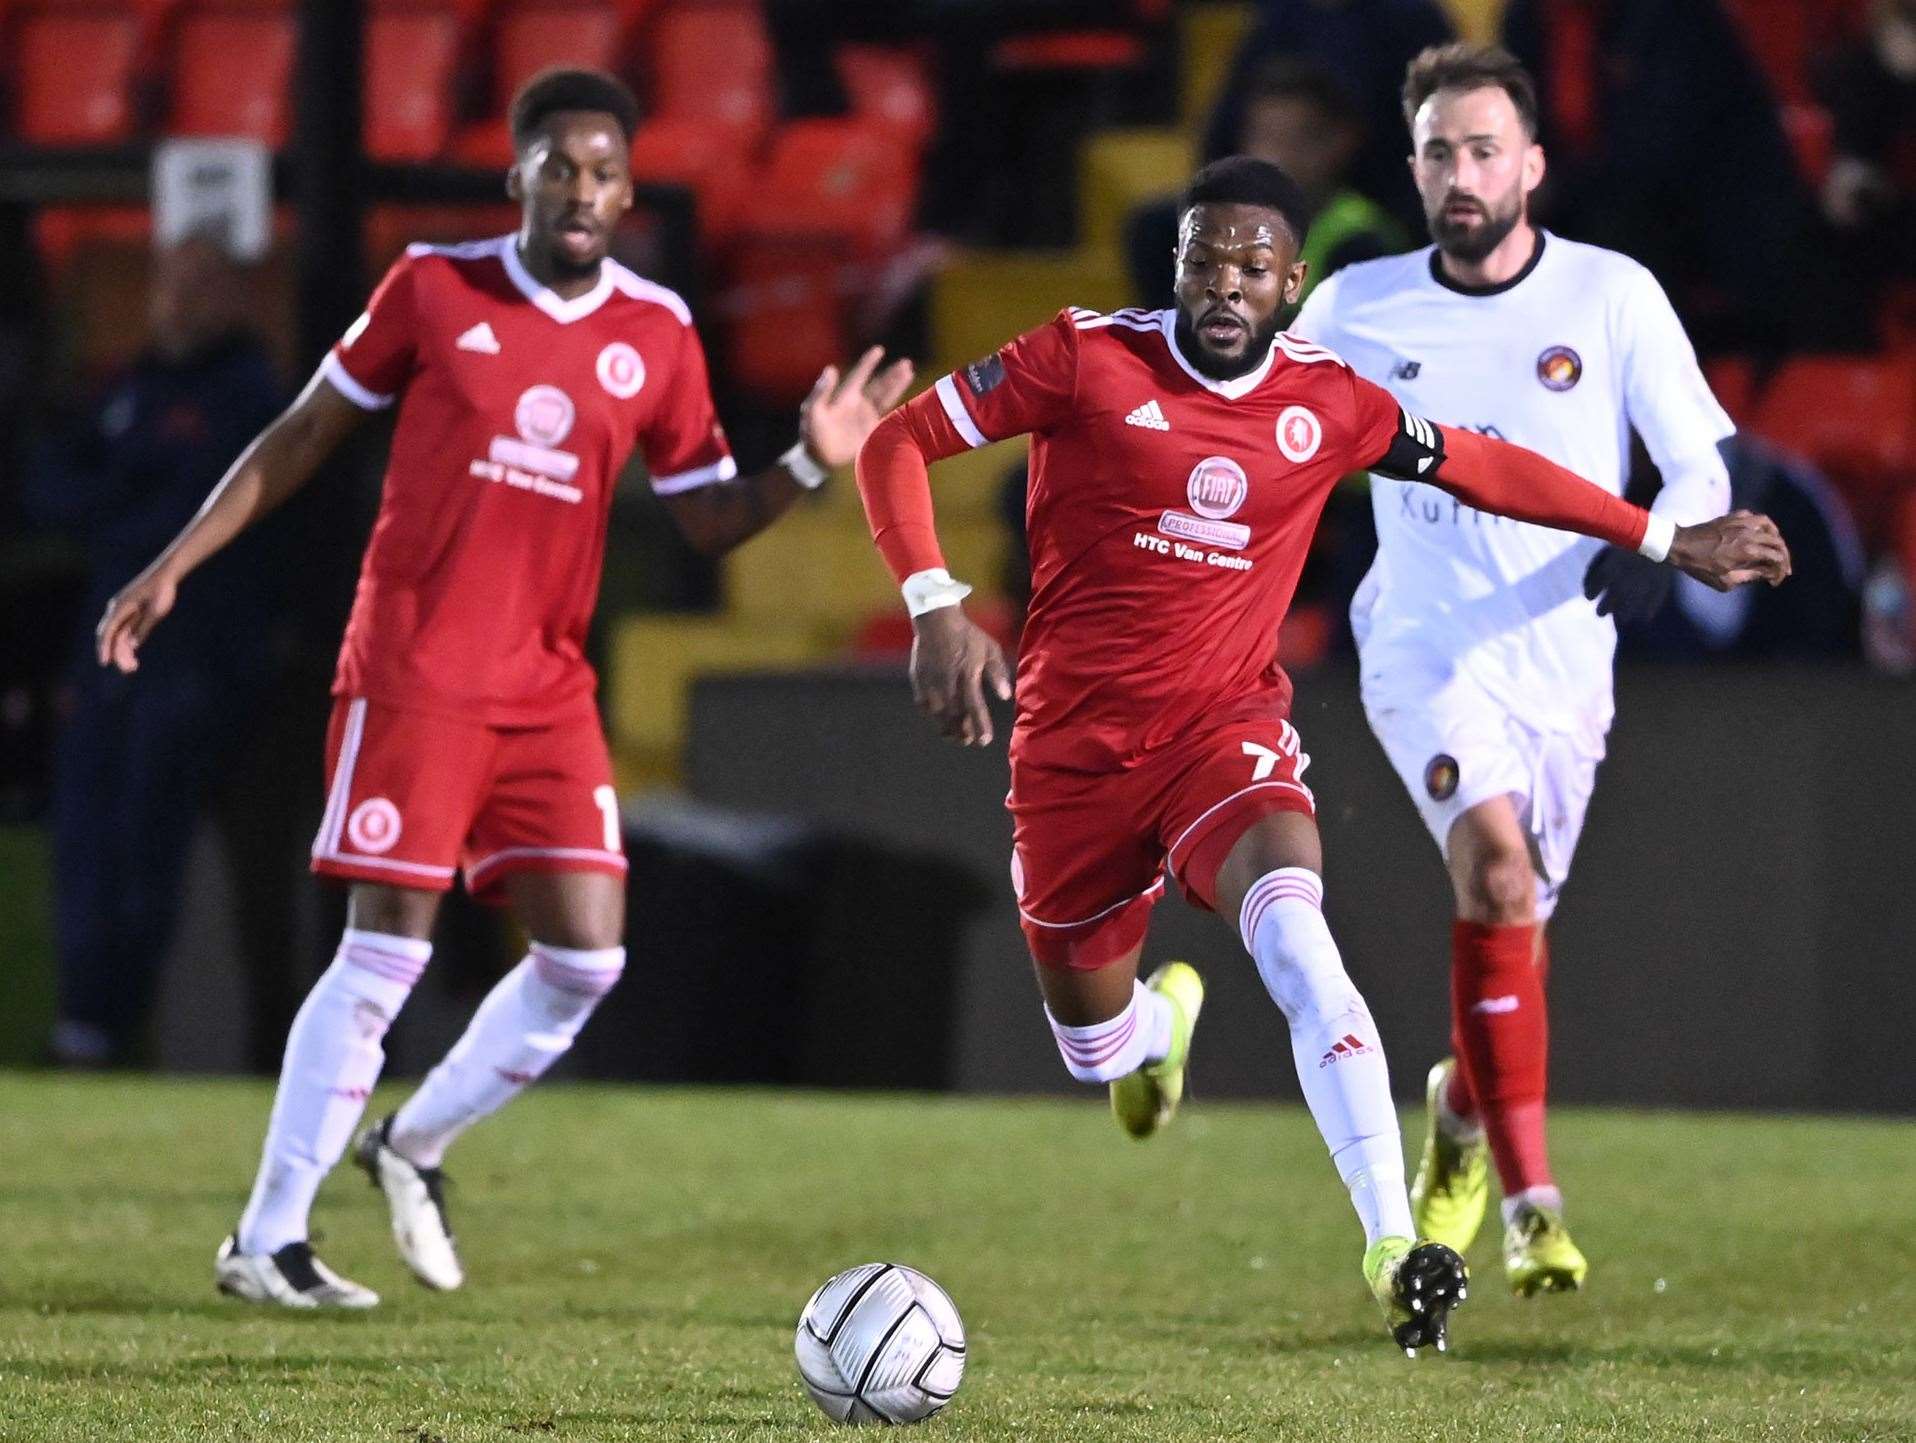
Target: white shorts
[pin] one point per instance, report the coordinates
(1456, 747)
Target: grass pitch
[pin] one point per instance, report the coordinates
(638, 1259)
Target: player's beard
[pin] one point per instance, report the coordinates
(1472, 244)
(1225, 368)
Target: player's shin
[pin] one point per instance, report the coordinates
(1502, 1031)
(527, 1023)
(1340, 1062)
(333, 1058)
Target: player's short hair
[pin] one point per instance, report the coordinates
(1463, 65)
(1290, 77)
(551, 91)
(1245, 180)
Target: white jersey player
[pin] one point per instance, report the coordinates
(1486, 666)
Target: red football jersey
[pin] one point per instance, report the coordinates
(517, 411)
(1168, 518)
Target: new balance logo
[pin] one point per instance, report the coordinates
(1349, 1045)
(481, 339)
(1148, 416)
(1495, 1006)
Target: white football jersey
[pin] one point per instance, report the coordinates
(1566, 358)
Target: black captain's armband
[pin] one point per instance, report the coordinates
(1416, 451)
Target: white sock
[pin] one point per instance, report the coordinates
(1106, 1051)
(525, 1025)
(333, 1058)
(1544, 1196)
(1340, 1061)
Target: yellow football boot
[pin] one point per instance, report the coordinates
(1539, 1256)
(1452, 1191)
(1417, 1285)
(1145, 1100)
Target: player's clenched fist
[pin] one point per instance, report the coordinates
(953, 660)
(130, 616)
(1732, 550)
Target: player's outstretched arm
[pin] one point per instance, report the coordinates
(281, 459)
(953, 659)
(1509, 480)
(833, 422)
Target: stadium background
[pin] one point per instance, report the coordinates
(806, 848)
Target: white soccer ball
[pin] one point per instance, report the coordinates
(880, 1343)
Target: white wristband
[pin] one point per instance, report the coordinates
(805, 469)
(1658, 537)
(929, 590)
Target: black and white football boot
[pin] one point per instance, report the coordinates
(290, 1278)
(417, 1198)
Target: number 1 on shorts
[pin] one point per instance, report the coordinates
(608, 803)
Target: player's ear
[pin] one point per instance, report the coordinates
(1533, 167)
(1294, 282)
(515, 186)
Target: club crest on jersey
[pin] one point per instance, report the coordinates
(621, 371)
(373, 827)
(544, 415)
(1216, 488)
(1299, 433)
(1559, 368)
(1441, 776)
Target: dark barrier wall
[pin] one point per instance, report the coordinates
(1740, 929)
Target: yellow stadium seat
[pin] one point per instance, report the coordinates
(655, 658)
(1479, 20)
(1118, 170)
(1209, 35)
(984, 298)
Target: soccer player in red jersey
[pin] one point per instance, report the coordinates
(1179, 461)
(464, 735)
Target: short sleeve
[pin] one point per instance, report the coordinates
(1026, 385)
(374, 359)
(682, 441)
(1376, 420)
(1664, 393)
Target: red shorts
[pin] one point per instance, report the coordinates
(412, 796)
(1090, 851)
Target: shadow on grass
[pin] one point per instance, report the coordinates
(1820, 1365)
(289, 1367)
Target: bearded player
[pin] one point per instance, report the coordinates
(1179, 462)
(1486, 668)
(464, 734)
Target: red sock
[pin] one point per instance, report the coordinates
(1502, 1035)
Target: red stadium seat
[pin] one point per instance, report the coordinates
(714, 64)
(1733, 381)
(1812, 135)
(231, 72)
(784, 317)
(845, 178)
(1785, 36)
(888, 86)
(530, 35)
(1853, 416)
(72, 72)
(706, 160)
(410, 58)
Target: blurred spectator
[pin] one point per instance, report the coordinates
(1665, 142)
(1814, 614)
(138, 753)
(1869, 196)
(1295, 114)
(1365, 45)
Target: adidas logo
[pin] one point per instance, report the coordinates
(1349, 1045)
(1148, 416)
(1496, 1005)
(481, 339)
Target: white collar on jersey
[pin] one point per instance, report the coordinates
(1230, 390)
(548, 300)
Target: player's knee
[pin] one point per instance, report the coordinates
(574, 979)
(1500, 889)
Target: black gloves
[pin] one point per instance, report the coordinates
(1630, 587)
